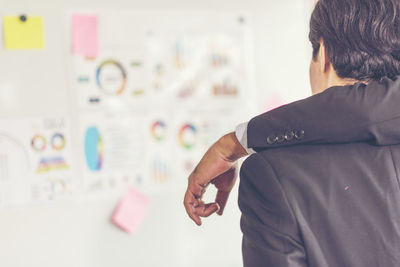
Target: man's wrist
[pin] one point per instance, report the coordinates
(241, 135)
(230, 147)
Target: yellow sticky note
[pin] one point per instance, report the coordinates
(19, 34)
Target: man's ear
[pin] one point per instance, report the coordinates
(324, 58)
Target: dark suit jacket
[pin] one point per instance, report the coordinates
(338, 115)
(335, 205)
(321, 205)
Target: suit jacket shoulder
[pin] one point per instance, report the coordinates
(340, 114)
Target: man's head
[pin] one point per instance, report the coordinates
(354, 40)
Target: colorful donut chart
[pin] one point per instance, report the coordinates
(57, 141)
(38, 143)
(117, 79)
(93, 149)
(158, 130)
(185, 131)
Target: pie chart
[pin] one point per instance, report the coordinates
(187, 136)
(93, 149)
(158, 130)
(111, 77)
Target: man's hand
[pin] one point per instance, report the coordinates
(218, 166)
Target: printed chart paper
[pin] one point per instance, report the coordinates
(35, 160)
(112, 151)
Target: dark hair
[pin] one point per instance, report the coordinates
(362, 37)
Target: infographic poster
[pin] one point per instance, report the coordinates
(115, 78)
(112, 149)
(35, 160)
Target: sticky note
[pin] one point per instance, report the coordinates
(84, 35)
(131, 210)
(19, 34)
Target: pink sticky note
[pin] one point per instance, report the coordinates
(85, 37)
(131, 210)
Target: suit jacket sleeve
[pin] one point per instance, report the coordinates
(337, 115)
(270, 232)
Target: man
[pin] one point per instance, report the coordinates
(322, 205)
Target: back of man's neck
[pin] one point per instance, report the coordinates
(334, 80)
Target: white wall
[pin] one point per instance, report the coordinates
(79, 233)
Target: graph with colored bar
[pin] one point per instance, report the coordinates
(48, 164)
(160, 171)
(93, 149)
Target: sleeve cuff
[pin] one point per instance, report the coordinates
(241, 135)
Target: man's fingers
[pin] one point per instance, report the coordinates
(196, 208)
(194, 216)
(190, 202)
(205, 210)
(196, 188)
(221, 199)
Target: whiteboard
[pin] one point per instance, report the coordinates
(78, 232)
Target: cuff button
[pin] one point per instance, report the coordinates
(289, 135)
(271, 139)
(299, 134)
(280, 138)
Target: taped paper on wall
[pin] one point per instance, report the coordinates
(84, 35)
(131, 211)
(35, 160)
(23, 32)
(112, 152)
